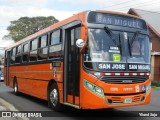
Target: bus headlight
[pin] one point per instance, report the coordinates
(95, 89)
(148, 88)
(89, 85)
(98, 90)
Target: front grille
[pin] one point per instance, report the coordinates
(124, 79)
(137, 98)
(121, 99)
(116, 100)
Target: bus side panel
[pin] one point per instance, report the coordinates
(34, 79)
(38, 89)
(12, 74)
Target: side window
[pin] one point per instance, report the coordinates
(25, 47)
(43, 41)
(43, 47)
(19, 49)
(18, 54)
(13, 55)
(55, 37)
(55, 47)
(25, 53)
(33, 44)
(8, 57)
(33, 50)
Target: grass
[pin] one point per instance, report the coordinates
(155, 88)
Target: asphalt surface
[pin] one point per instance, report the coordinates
(25, 102)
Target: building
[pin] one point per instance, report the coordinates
(153, 21)
(1, 62)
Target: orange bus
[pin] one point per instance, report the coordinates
(92, 60)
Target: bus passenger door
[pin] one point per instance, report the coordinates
(71, 67)
(8, 57)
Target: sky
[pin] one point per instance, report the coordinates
(14, 9)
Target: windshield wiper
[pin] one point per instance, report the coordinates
(110, 34)
(134, 38)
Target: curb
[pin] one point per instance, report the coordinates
(6, 106)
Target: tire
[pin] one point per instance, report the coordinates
(53, 98)
(15, 87)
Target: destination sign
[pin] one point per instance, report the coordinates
(113, 19)
(112, 66)
(141, 67)
(106, 66)
(122, 67)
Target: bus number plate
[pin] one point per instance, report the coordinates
(127, 100)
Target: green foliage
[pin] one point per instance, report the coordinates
(156, 83)
(26, 26)
(156, 88)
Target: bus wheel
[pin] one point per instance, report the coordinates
(54, 98)
(15, 88)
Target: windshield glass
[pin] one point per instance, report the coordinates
(105, 51)
(102, 48)
(139, 49)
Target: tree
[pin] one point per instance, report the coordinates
(25, 26)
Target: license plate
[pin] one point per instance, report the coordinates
(127, 100)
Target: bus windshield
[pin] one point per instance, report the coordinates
(120, 48)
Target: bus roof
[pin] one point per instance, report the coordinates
(78, 16)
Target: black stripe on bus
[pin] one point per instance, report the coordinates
(111, 94)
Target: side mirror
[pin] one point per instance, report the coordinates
(80, 43)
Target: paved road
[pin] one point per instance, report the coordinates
(28, 103)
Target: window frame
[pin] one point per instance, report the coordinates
(18, 54)
(40, 41)
(13, 55)
(44, 47)
(60, 37)
(57, 44)
(32, 50)
(31, 41)
(25, 52)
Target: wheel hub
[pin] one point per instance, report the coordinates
(54, 97)
(15, 88)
